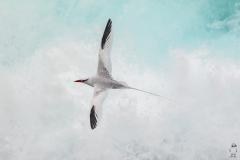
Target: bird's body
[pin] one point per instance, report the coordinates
(103, 80)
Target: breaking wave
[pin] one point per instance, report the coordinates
(184, 50)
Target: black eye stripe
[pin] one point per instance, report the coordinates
(84, 80)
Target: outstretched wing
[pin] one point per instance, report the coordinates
(104, 60)
(99, 96)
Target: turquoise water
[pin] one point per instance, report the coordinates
(152, 28)
(187, 50)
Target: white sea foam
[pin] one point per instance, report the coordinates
(189, 55)
(44, 114)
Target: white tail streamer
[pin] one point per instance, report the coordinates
(157, 95)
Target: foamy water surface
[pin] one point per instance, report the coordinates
(185, 50)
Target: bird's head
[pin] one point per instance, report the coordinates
(82, 80)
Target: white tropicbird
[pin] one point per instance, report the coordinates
(103, 80)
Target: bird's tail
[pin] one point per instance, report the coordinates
(155, 95)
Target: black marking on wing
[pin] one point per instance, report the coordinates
(106, 33)
(93, 118)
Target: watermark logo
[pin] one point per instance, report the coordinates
(233, 150)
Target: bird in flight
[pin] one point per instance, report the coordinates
(103, 80)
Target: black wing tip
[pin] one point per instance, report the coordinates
(93, 119)
(106, 33)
